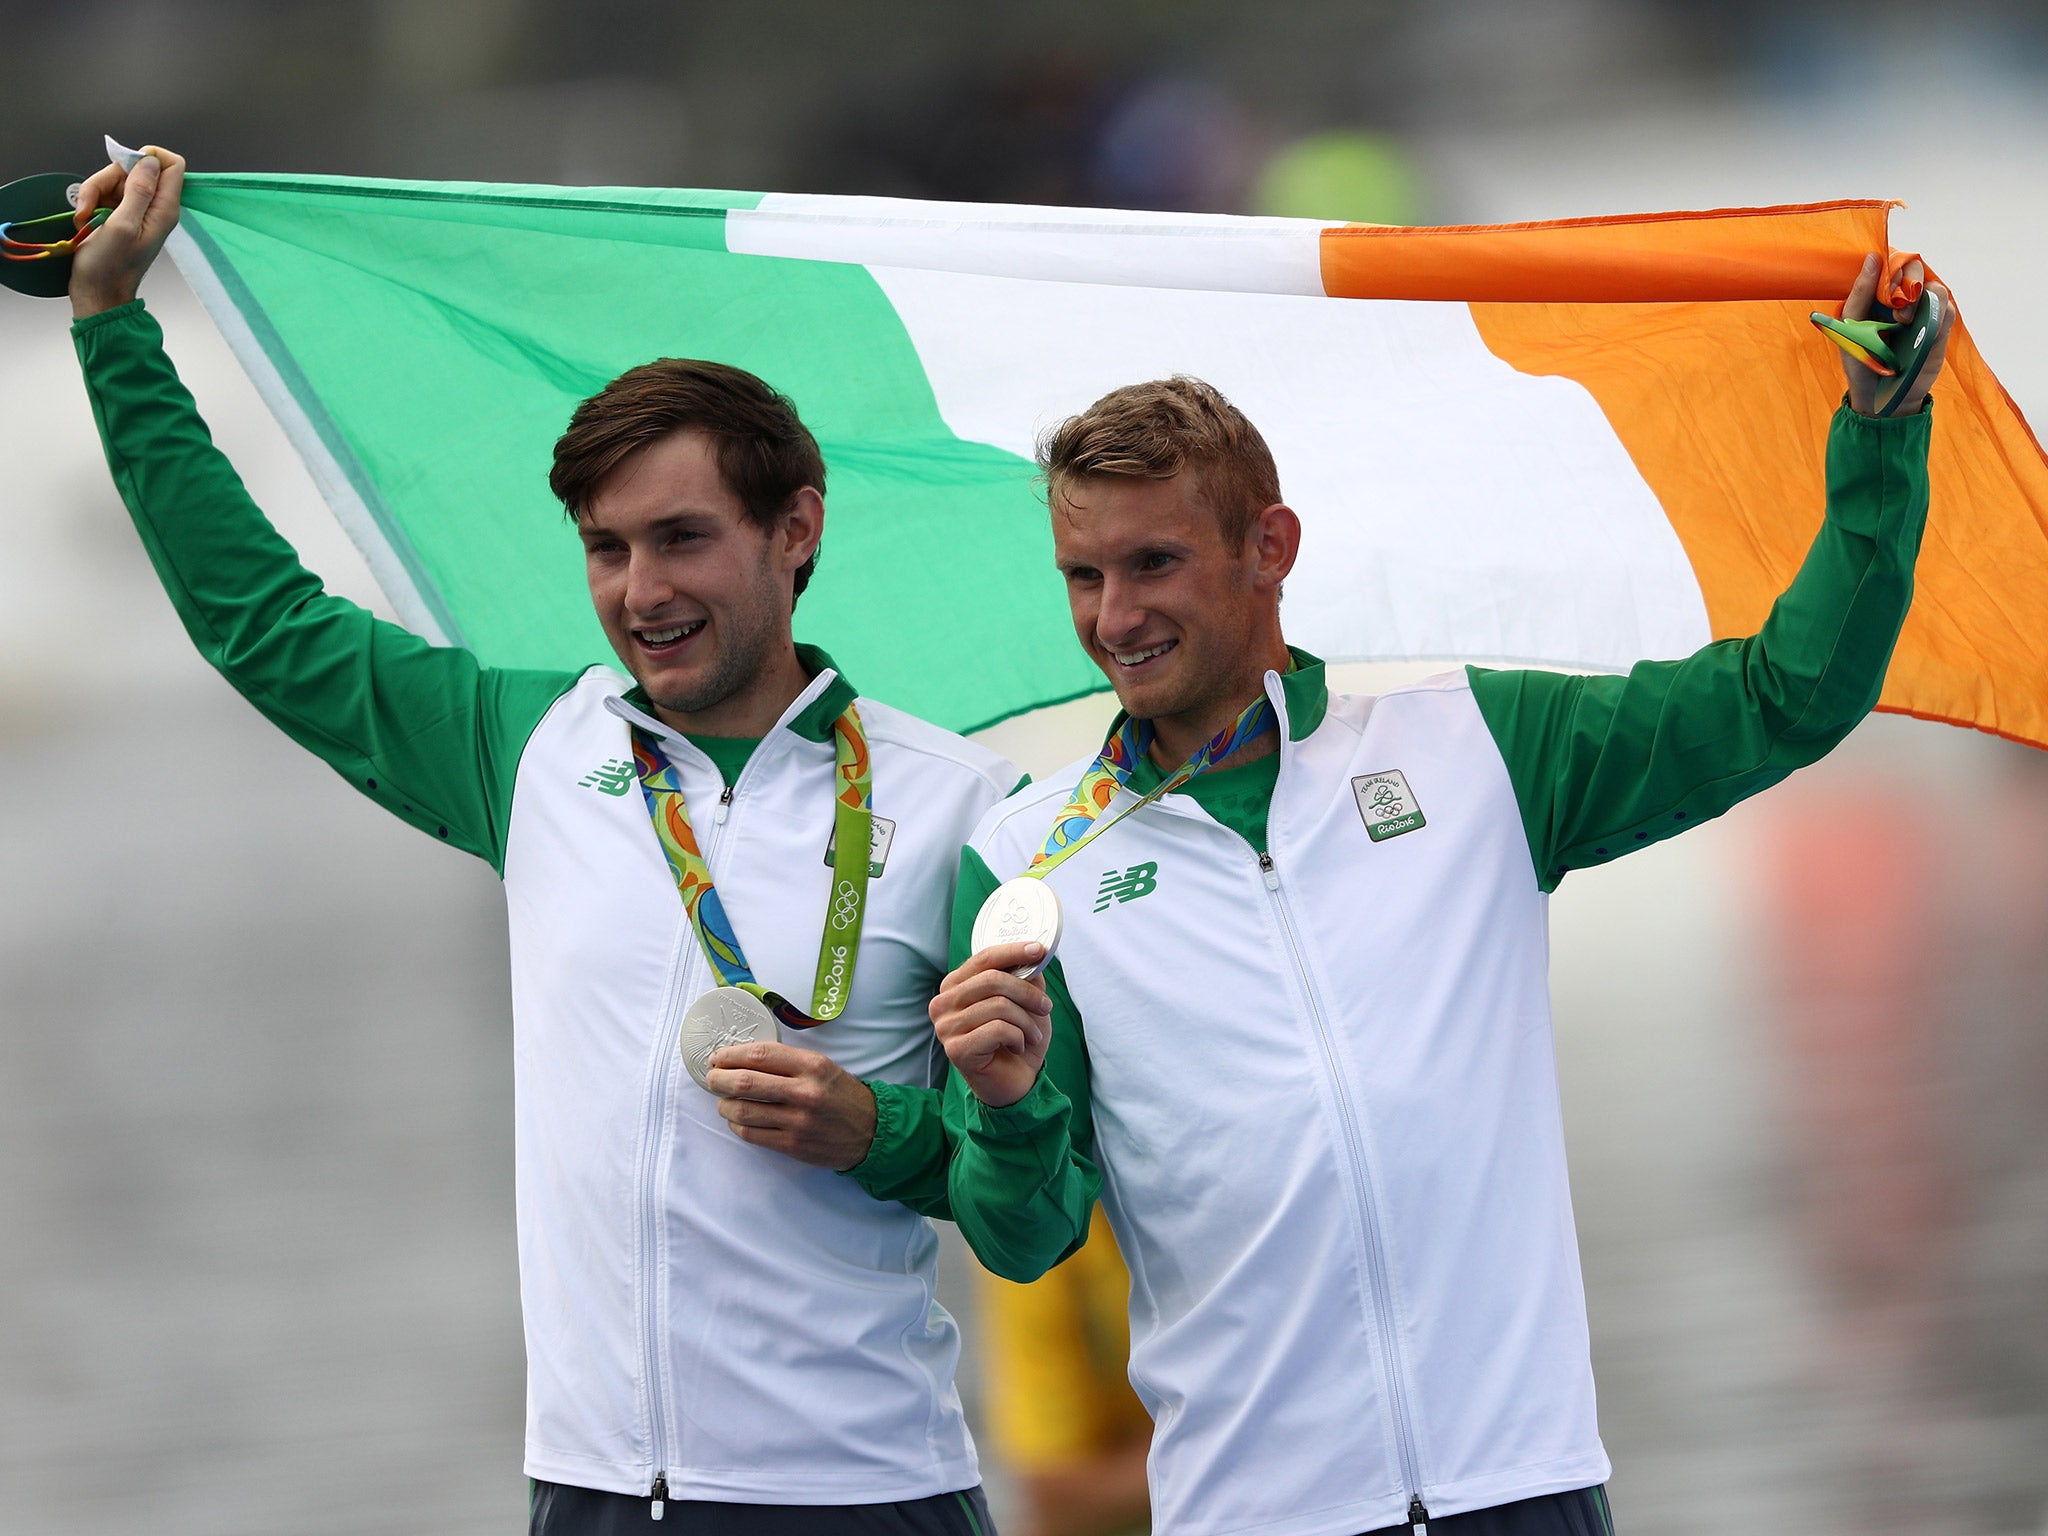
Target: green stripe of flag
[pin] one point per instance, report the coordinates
(438, 335)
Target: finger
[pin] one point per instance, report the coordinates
(986, 1043)
(998, 984)
(1911, 276)
(1028, 1032)
(770, 1056)
(960, 1021)
(1937, 356)
(1937, 352)
(758, 1116)
(1863, 292)
(170, 187)
(769, 1138)
(101, 189)
(760, 1088)
(997, 957)
(136, 194)
(1948, 310)
(764, 1087)
(987, 983)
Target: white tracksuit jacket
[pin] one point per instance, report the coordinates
(1371, 1234)
(754, 1329)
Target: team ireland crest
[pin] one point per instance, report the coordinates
(881, 833)
(1387, 804)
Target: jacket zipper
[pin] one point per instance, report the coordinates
(651, 1224)
(653, 1188)
(1376, 1263)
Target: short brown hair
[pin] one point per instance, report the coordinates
(1155, 431)
(765, 452)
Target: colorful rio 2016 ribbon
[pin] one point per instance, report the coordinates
(1129, 741)
(14, 248)
(852, 820)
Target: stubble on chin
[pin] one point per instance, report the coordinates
(1152, 699)
(730, 671)
(744, 649)
(744, 641)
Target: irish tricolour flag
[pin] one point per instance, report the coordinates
(1575, 443)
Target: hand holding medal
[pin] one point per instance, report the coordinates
(993, 1017)
(993, 1014)
(93, 238)
(800, 1103)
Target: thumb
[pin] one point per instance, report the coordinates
(1862, 292)
(137, 193)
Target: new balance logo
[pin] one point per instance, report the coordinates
(1126, 884)
(612, 778)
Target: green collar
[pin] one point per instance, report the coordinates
(814, 723)
(1306, 692)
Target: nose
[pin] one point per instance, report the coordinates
(647, 587)
(1119, 615)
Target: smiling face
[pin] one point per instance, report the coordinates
(694, 597)
(1182, 624)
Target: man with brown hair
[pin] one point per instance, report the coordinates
(741, 1341)
(1297, 1032)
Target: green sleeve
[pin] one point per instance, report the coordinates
(1604, 765)
(1020, 1181)
(907, 1159)
(426, 731)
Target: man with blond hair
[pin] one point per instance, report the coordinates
(1297, 1033)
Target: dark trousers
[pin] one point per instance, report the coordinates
(560, 1510)
(1582, 1512)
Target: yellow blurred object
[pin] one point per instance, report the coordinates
(1348, 174)
(1060, 1406)
(1057, 1352)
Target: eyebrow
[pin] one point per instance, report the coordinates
(589, 527)
(1167, 546)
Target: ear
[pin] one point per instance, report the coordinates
(799, 528)
(1271, 544)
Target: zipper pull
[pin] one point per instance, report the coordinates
(1418, 1517)
(1272, 875)
(659, 1494)
(724, 805)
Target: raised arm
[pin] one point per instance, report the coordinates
(424, 730)
(1604, 765)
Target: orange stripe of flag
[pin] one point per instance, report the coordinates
(1724, 409)
(1809, 252)
(1691, 331)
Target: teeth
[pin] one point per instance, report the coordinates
(1132, 658)
(664, 636)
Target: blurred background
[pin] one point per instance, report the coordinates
(256, 1257)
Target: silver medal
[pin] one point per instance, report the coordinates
(1019, 911)
(721, 1017)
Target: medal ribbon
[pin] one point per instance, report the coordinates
(852, 819)
(14, 248)
(1075, 825)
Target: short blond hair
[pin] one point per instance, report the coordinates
(1161, 429)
